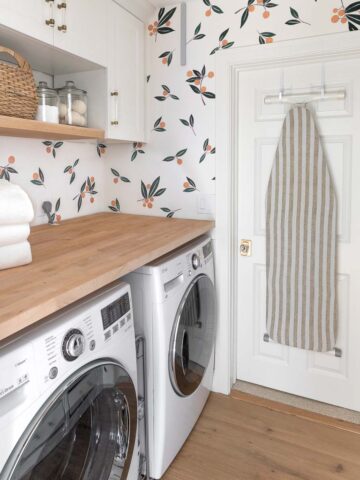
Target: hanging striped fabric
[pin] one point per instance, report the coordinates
(301, 239)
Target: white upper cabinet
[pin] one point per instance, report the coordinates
(98, 43)
(126, 76)
(80, 28)
(32, 17)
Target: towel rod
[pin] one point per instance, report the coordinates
(307, 97)
(337, 351)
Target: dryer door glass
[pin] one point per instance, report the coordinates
(193, 336)
(86, 431)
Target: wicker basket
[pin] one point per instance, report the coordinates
(18, 96)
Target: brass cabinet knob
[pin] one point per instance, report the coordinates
(50, 22)
(114, 94)
(61, 5)
(62, 28)
(115, 122)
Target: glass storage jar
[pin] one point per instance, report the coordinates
(48, 109)
(72, 105)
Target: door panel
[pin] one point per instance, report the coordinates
(29, 17)
(86, 28)
(126, 75)
(321, 376)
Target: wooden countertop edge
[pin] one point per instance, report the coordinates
(15, 325)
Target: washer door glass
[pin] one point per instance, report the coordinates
(87, 431)
(193, 336)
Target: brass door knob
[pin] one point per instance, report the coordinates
(245, 248)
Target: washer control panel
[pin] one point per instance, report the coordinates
(73, 345)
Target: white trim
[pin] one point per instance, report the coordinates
(229, 63)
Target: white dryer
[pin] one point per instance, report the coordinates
(68, 395)
(175, 309)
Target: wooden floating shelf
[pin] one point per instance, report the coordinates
(20, 127)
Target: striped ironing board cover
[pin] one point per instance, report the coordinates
(301, 239)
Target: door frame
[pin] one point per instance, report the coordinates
(229, 65)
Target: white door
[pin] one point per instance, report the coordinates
(126, 75)
(324, 377)
(81, 28)
(31, 17)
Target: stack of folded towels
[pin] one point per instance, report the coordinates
(16, 212)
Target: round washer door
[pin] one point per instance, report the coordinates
(86, 430)
(193, 336)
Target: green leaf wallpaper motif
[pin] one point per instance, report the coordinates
(196, 79)
(166, 94)
(212, 8)
(189, 186)
(51, 147)
(38, 178)
(347, 14)
(114, 205)
(7, 169)
(70, 170)
(87, 189)
(224, 43)
(150, 191)
(162, 25)
(137, 150)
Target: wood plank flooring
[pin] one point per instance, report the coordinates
(240, 437)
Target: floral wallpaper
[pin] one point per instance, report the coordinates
(71, 176)
(175, 171)
(180, 157)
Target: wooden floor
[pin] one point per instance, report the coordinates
(247, 438)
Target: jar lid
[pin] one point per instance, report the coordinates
(70, 87)
(44, 89)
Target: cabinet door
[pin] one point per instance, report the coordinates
(81, 28)
(31, 17)
(126, 76)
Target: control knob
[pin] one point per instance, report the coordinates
(73, 345)
(195, 260)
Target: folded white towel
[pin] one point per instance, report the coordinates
(15, 205)
(10, 234)
(15, 255)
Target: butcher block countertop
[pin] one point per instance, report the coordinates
(82, 255)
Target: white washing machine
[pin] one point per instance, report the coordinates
(68, 395)
(175, 309)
